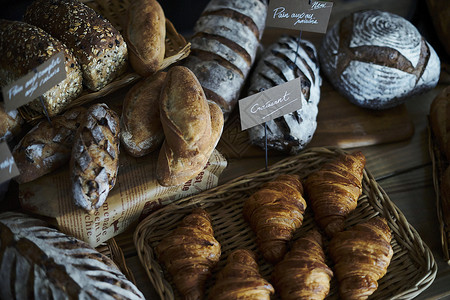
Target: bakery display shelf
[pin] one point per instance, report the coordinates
(176, 46)
(412, 268)
(439, 164)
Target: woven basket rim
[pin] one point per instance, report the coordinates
(414, 253)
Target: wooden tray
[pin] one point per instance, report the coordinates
(412, 268)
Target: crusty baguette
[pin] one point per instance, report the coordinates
(95, 157)
(192, 127)
(141, 129)
(145, 36)
(39, 262)
(97, 45)
(24, 47)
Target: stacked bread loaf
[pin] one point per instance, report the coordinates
(224, 46)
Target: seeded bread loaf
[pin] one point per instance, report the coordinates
(95, 157)
(223, 48)
(145, 36)
(23, 48)
(97, 45)
(141, 130)
(285, 60)
(377, 59)
(39, 262)
(10, 124)
(46, 147)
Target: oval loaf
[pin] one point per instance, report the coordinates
(39, 262)
(377, 59)
(97, 45)
(283, 61)
(223, 47)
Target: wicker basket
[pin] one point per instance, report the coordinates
(177, 48)
(412, 268)
(439, 165)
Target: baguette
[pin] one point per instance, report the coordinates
(95, 157)
(145, 36)
(97, 45)
(25, 47)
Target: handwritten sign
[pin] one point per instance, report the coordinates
(300, 15)
(35, 83)
(270, 104)
(8, 168)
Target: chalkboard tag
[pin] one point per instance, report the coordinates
(8, 168)
(35, 83)
(310, 16)
(270, 104)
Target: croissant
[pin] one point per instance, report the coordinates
(274, 212)
(189, 253)
(334, 189)
(361, 255)
(240, 279)
(303, 273)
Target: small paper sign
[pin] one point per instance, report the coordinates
(8, 168)
(300, 15)
(35, 83)
(270, 104)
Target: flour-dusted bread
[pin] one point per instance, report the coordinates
(285, 60)
(24, 47)
(95, 157)
(223, 47)
(46, 147)
(378, 59)
(97, 45)
(39, 262)
(10, 124)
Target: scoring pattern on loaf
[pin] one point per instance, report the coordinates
(377, 59)
(224, 46)
(283, 61)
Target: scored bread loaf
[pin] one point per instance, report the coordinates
(440, 121)
(141, 128)
(46, 147)
(10, 124)
(377, 59)
(39, 262)
(223, 48)
(285, 60)
(192, 128)
(95, 157)
(145, 36)
(97, 45)
(24, 47)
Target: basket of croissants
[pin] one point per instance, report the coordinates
(313, 226)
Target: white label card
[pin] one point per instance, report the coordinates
(8, 168)
(270, 104)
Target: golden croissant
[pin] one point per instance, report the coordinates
(189, 253)
(303, 273)
(361, 255)
(274, 213)
(334, 189)
(240, 279)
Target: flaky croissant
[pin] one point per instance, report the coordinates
(274, 212)
(334, 189)
(361, 255)
(303, 273)
(189, 253)
(240, 279)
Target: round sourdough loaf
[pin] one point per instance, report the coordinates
(377, 59)
(285, 60)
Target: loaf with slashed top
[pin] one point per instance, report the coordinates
(97, 45)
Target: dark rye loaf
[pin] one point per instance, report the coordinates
(24, 47)
(97, 45)
(39, 262)
(223, 48)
